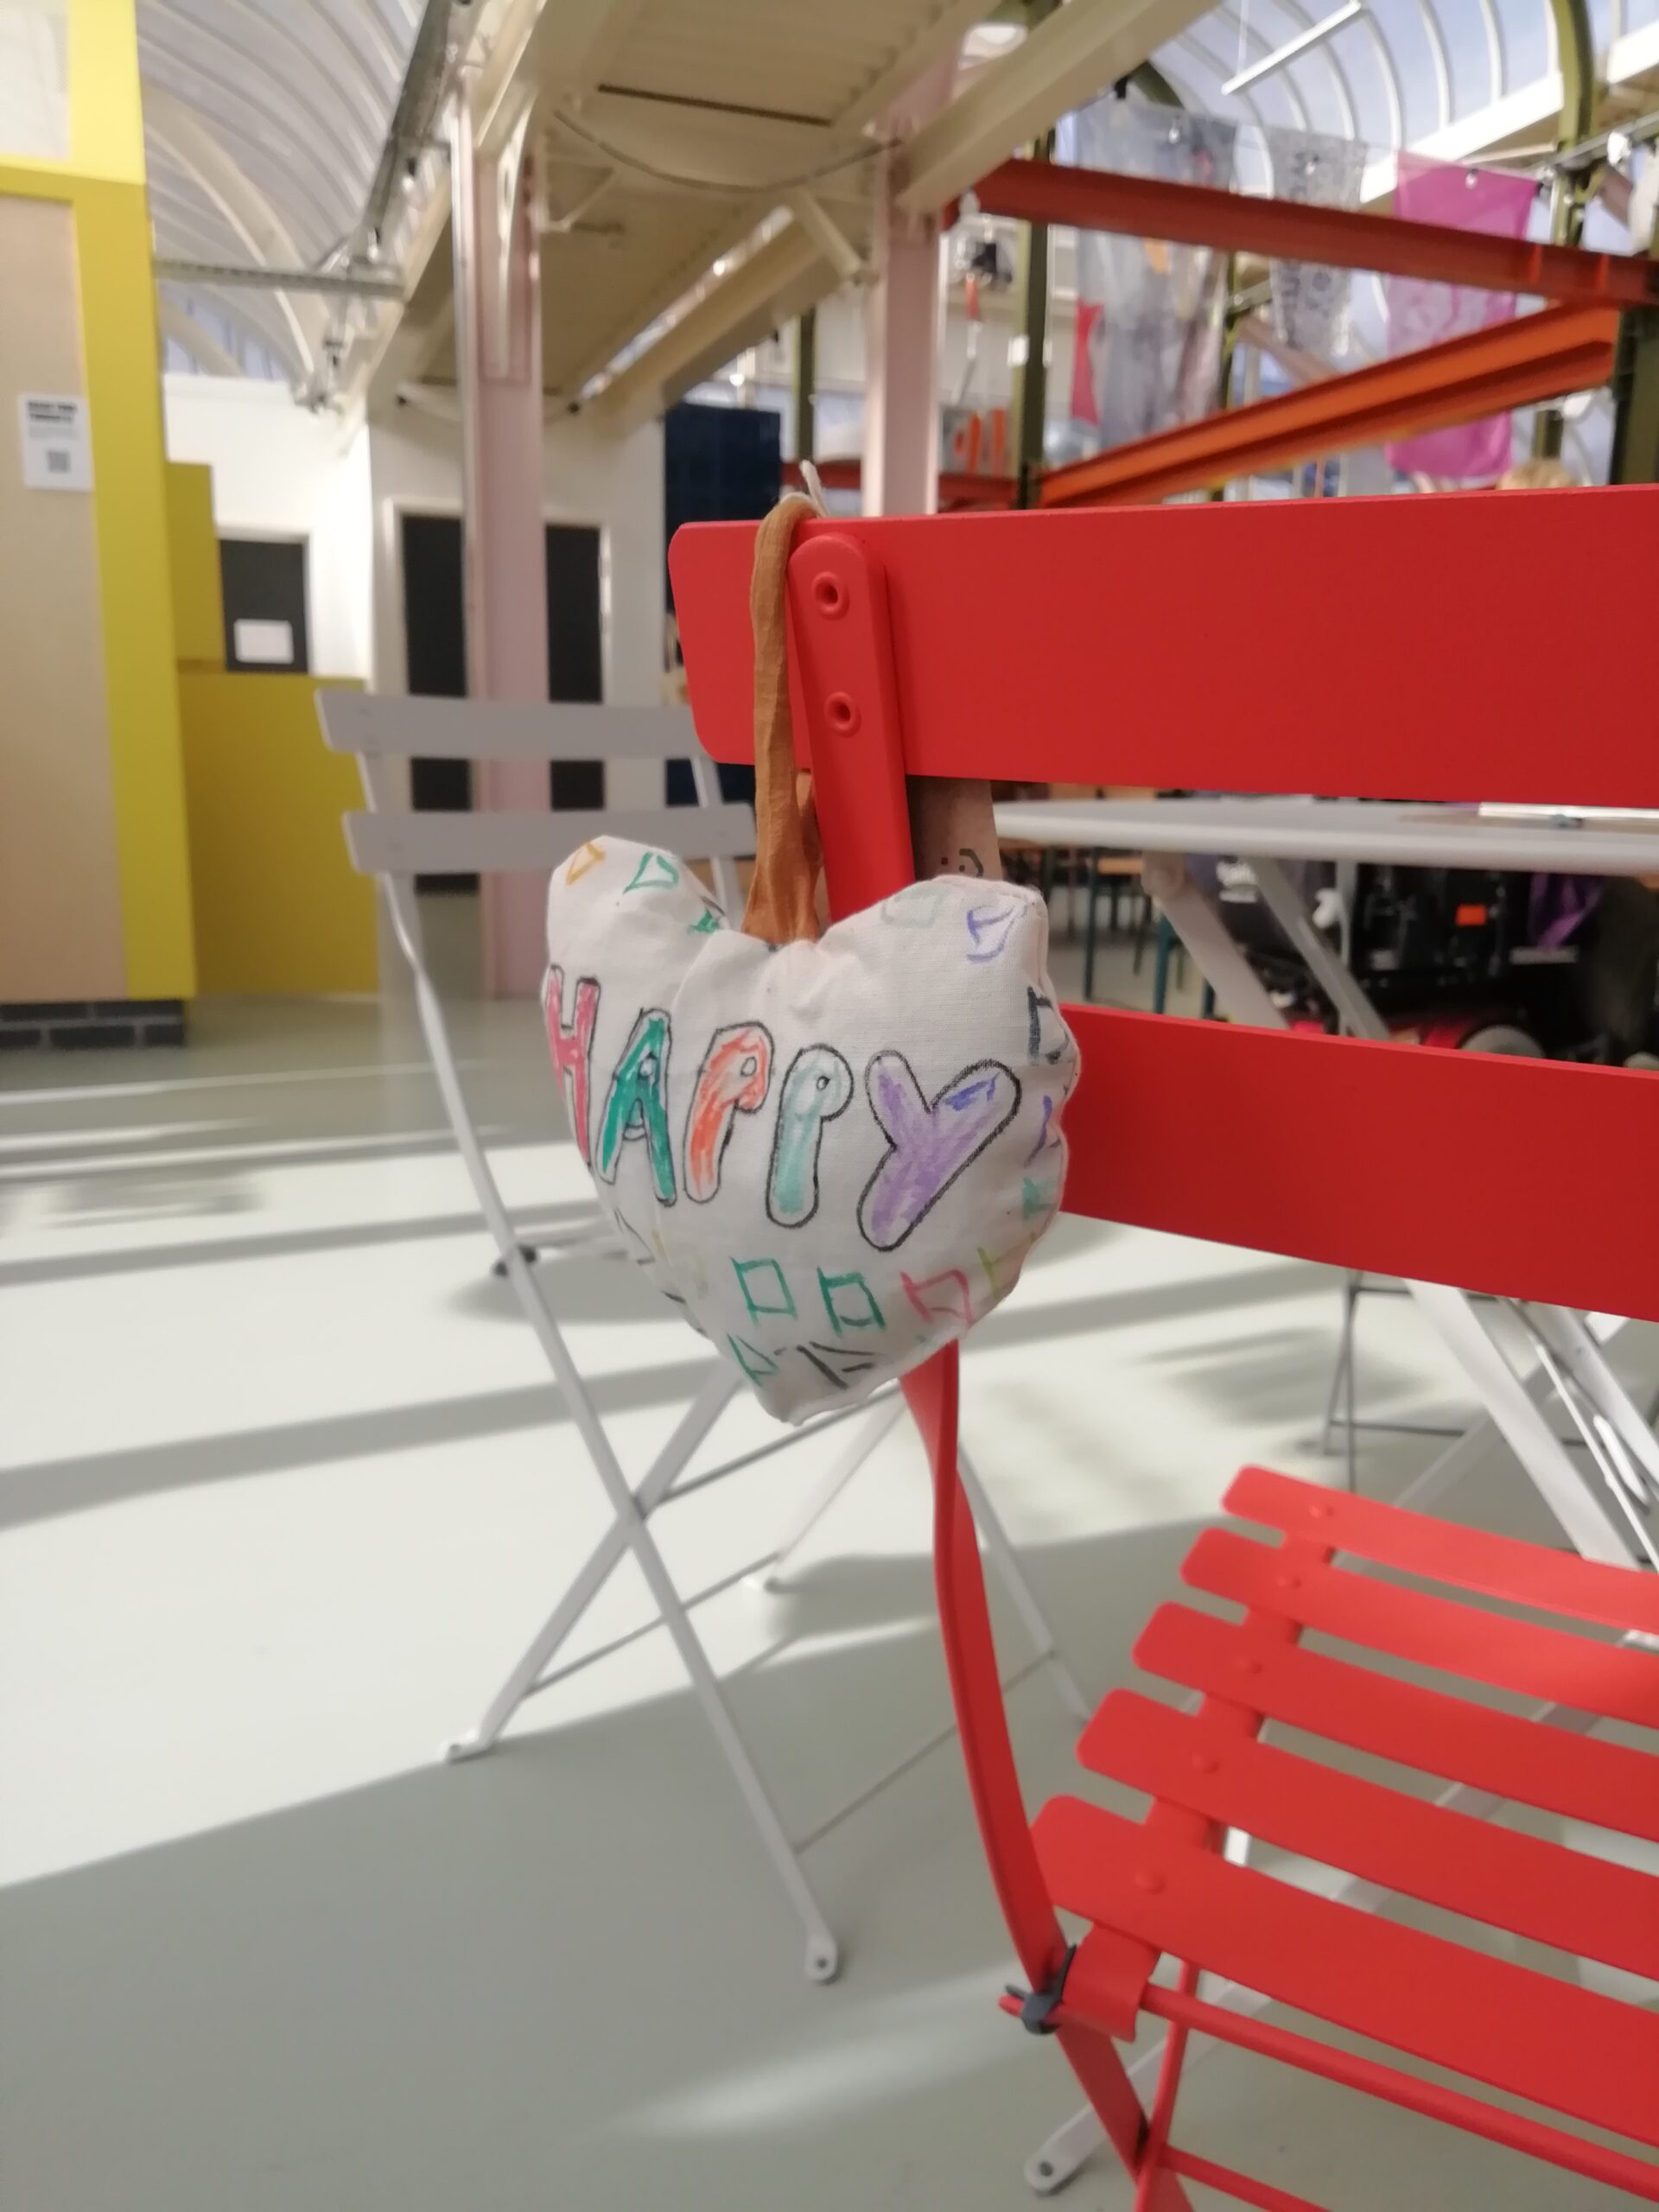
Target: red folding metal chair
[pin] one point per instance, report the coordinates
(1523, 1177)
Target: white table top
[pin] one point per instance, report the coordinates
(1343, 829)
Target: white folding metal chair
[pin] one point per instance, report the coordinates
(395, 844)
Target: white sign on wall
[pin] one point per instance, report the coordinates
(57, 442)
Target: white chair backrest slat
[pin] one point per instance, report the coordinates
(399, 842)
(501, 729)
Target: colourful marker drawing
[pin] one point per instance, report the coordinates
(585, 862)
(754, 1362)
(944, 1297)
(744, 1269)
(988, 929)
(642, 1257)
(1048, 1137)
(638, 1104)
(1012, 1260)
(834, 1364)
(1036, 1006)
(707, 922)
(865, 1313)
(1037, 1199)
(734, 1079)
(572, 1048)
(655, 872)
(819, 1086)
(932, 1140)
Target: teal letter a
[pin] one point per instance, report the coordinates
(636, 1104)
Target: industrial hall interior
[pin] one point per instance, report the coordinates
(829, 1103)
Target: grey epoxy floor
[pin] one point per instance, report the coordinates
(284, 1488)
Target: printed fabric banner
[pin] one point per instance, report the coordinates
(1147, 352)
(1311, 301)
(1422, 314)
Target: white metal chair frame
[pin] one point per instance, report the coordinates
(393, 843)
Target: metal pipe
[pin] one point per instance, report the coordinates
(334, 284)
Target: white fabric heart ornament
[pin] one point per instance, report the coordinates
(834, 1157)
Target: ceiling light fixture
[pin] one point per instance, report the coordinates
(1304, 40)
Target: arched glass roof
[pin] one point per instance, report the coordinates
(265, 119)
(264, 126)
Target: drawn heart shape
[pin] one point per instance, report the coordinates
(832, 1157)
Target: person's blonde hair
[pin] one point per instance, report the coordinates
(1543, 475)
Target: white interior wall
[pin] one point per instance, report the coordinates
(281, 471)
(590, 476)
(341, 570)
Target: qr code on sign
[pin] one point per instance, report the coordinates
(57, 461)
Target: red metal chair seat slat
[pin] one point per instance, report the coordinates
(1471, 1559)
(1578, 1903)
(1608, 1679)
(1161, 1883)
(1557, 2044)
(1579, 1777)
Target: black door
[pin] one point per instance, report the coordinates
(574, 652)
(720, 464)
(261, 581)
(435, 649)
(435, 631)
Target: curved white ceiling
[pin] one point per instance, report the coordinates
(265, 118)
(293, 98)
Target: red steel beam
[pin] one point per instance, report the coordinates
(1198, 214)
(1482, 373)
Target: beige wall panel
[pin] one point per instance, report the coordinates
(60, 897)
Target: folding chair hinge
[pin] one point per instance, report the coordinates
(1036, 2007)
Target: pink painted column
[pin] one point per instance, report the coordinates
(902, 307)
(499, 368)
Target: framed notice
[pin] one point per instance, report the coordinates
(57, 442)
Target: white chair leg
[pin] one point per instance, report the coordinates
(596, 1570)
(869, 1433)
(1006, 1561)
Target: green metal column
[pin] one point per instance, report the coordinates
(1569, 194)
(1635, 391)
(1029, 407)
(806, 384)
(1030, 398)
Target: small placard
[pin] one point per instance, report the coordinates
(264, 645)
(57, 443)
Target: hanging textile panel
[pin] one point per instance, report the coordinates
(1146, 354)
(1311, 301)
(1422, 314)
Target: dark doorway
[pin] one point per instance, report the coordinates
(434, 631)
(574, 652)
(435, 649)
(261, 581)
(720, 464)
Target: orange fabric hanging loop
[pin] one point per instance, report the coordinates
(782, 904)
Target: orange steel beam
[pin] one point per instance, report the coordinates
(1198, 214)
(957, 487)
(1482, 373)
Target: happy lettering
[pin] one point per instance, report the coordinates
(930, 1141)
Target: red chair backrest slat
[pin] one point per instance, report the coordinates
(1365, 648)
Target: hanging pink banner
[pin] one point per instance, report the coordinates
(1422, 314)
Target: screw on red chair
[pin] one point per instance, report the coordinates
(1133, 626)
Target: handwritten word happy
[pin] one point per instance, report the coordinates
(930, 1142)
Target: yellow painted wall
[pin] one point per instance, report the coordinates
(103, 184)
(198, 595)
(279, 906)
